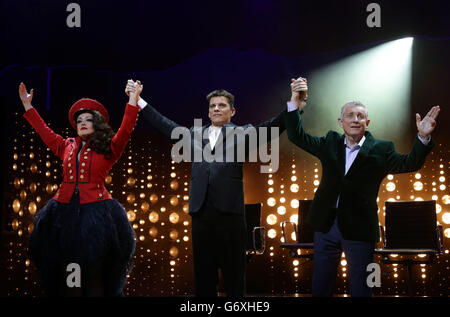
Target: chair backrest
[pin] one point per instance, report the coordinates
(411, 225)
(305, 232)
(253, 219)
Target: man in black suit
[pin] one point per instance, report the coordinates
(344, 210)
(216, 198)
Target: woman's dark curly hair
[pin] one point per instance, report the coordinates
(100, 141)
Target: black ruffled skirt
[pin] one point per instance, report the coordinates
(96, 236)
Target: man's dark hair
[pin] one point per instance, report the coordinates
(221, 93)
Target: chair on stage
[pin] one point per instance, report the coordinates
(304, 242)
(256, 234)
(411, 235)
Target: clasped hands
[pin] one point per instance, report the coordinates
(133, 90)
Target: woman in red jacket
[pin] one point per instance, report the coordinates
(82, 223)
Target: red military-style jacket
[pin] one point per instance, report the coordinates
(93, 167)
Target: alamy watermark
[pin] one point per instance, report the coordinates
(74, 277)
(241, 144)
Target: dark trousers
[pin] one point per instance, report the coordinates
(328, 248)
(218, 241)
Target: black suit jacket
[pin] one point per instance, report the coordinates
(222, 181)
(358, 189)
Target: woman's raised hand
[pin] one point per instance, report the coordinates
(25, 96)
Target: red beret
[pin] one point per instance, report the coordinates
(86, 104)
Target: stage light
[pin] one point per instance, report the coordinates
(294, 219)
(446, 218)
(174, 218)
(281, 210)
(390, 186)
(418, 186)
(153, 217)
(272, 233)
(446, 199)
(294, 188)
(447, 233)
(271, 219)
(379, 77)
(271, 201)
(438, 208)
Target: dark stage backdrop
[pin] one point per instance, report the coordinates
(181, 52)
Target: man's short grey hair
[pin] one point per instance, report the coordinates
(352, 104)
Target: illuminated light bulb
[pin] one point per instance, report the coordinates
(153, 198)
(272, 233)
(442, 187)
(173, 234)
(390, 177)
(270, 190)
(174, 201)
(270, 182)
(271, 219)
(316, 182)
(446, 199)
(344, 262)
(271, 201)
(418, 186)
(294, 178)
(173, 252)
(447, 233)
(438, 208)
(442, 179)
(153, 217)
(295, 203)
(281, 210)
(295, 262)
(174, 185)
(390, 186)
(294, 188)
(131, 216)
(294, 218)
(293, 236)
(16, 205)
(446, 218)
(145, 206)
(282, 200)
(418, 199)
(174, 217)
(418, 176)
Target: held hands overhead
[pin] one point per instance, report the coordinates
(299, 90)
(133, 90)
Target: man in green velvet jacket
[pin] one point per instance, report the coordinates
(344, 211)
